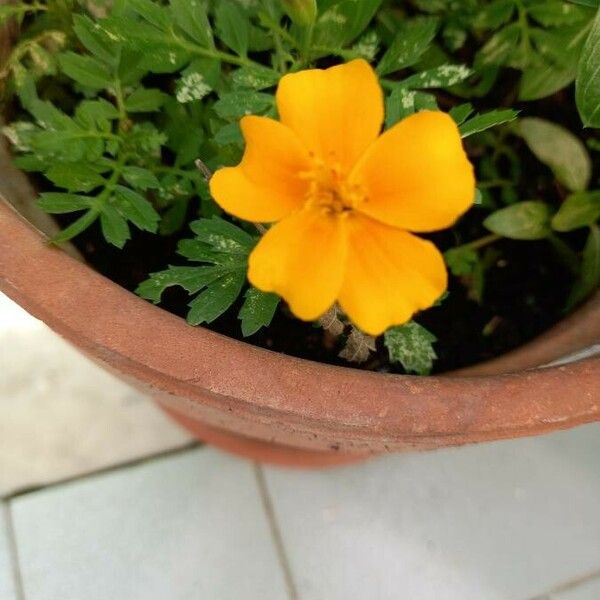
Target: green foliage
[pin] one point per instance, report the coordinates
(114, 109)
(529, 220)
(560, 150)
(411, 345)
(588, 78)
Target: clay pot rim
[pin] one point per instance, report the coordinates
(128, 334)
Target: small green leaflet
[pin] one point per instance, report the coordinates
(411, 345)
(411, 41)
(578, 210)
(461, 260)
(222, 250)
(233, 26)
(257, 311)
(529, 220)
(75, 177)
(588, 78)
(234, 105)
(86, 70)
(443, 76)
(487, 120)
(560, 150)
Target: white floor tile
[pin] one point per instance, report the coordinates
(189, 527)
(503, 521)
(7, 583)
(61, 415)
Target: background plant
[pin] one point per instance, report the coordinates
(116, 103)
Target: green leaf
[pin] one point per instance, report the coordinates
(152, 12)
(403, 102)
(75, 177)
(139, 178)
(590, 3)
(494, 15)
(487, 120)
(411, 345)
(578, 210)
(223, 236)
(588, 78)
(192, 279)
(500, 47)
(192, 19)
(57, 203)
(254, 78)
(554, 13)
(411, 41)
(440, 77)
(135, 208)
(114, 226)
(216, 299)
(95, 40)
(560, 51)
(342, 22)
(589, 278)
(461, 112)
(86, 70)
(528, 220)
(233, 26)
(145, 100)
(257, 311)
(235, 105)
(558, 149)
(461, 260)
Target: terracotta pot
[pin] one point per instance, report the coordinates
(280, 409)
(276, 408)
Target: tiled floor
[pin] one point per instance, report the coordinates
(515, 520)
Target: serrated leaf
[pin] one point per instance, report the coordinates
(145, 100)
(235, 105)
(342, 22)
(487, 120)
(135, 208)
(560, 150)
(114, 226)
(233, 26)
(461, 113)
(439, 77)
(192, 279)
(139, 178)
(500, 47)
(95, 39)
(191, 17)
(588, 78)
(257, 311)
(255, 78)
(56, 203)
(217, 298)
(86, 70)
(152, 12)
(528, 220)
(578, 210)
(410, 43)
(223, 236)
(75, 177)
(411, 345)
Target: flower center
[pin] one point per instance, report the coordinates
(329, 189)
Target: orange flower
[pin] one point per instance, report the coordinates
(344, 198)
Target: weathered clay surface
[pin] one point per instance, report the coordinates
(228, 388)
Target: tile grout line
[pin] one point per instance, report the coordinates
(103, 470)
(267, 503)
(570, 584)
(13, 552)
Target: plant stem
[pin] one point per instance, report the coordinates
(484, 241)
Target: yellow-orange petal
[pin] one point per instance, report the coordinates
(337, 112)
(302, 259)
(416, 175)
(390, 275)
(266, 185)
